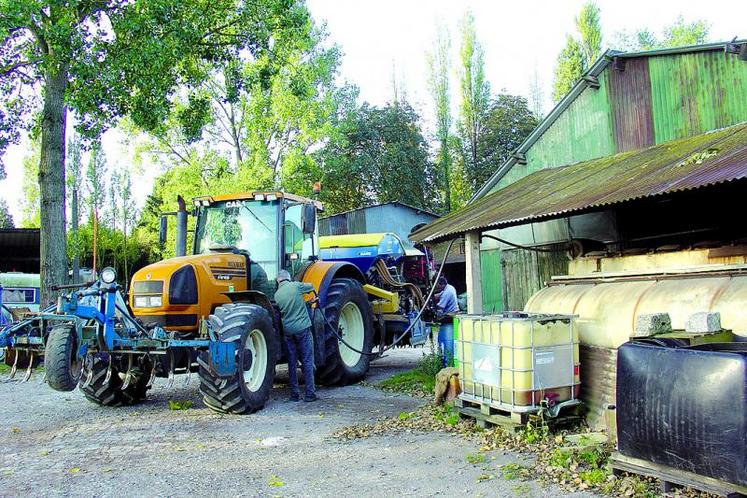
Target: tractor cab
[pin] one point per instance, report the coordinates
(274, 230)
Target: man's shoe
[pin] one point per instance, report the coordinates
(294, 397)
(311, 398)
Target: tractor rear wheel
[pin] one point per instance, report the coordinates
(109, 392)
(257, 351)
(349, 313)
(61, 359)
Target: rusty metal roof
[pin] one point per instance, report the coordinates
(684, 164)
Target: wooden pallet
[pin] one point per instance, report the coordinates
(487, 416)
(670, 477)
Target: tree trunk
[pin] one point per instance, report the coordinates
(76, 249)
(52, 186)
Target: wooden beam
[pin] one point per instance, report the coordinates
(473, 276)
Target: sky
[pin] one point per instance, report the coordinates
(383, 39)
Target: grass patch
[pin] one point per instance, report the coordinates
(179, 405)
(475, 459)
(420, 381)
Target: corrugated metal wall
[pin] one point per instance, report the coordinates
(630, 97)
(698, 92)
(392, 217)
(583, 131)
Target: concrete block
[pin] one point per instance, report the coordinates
(699, 323)
(652, 324)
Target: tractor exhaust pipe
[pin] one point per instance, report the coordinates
(181, 227)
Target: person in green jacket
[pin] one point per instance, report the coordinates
(298, 334)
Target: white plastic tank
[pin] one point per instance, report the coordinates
(607, 309)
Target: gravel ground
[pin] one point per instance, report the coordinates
(59, 444)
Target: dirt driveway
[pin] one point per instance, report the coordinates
(55, 444)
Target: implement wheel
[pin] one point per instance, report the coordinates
(108, 392)
(61, 358)
(257, 350)
(347, 310)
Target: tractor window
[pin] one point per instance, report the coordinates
(296, 242)
(246, 225)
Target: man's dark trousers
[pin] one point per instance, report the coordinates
(301, 346)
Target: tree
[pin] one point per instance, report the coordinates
(96, 188)
(6, 219)
(569, 68)
(590, 30)
(507, 123)
(74, 176)
(536, 97)
(105, 59)
(578, 54)
(379, 155)
(475, 96)
(677, 34)
(438, 82)
(30, 186)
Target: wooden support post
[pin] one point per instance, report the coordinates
(474, 280)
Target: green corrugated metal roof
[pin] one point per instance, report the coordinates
(673, 166)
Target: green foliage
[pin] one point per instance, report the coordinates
(406, 415)
(590, 29)
(507, 122)
(179, 405)
(512, 471)
(578, 53)
(30, 187)
(677, 34)
(476, 458)
(438, 84)
(419, 380)
(6, 220)
(593, 477)
(533, 433)
(379, 155)
(569, 68)
(475, 100)
(446, 414)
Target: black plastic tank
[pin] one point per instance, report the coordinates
(684, 407)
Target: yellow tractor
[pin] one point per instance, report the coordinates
(227, 285)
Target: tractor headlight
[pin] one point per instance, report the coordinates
(148, 301)
(108, 275)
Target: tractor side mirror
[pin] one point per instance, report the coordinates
(162, 229)
(309, 218)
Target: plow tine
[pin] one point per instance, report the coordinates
(43, 377)
(29, 369)
(128, 375)
(14, 367)
(89, 373)
(152, 376)
(188, 377)
(108, 372)
(170, 382)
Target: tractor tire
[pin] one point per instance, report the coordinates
(347, 310)
(61, 358)
(257, 352)
(109, 392)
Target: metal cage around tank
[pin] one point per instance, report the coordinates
(518, 362)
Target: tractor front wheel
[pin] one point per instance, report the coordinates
(247, 391)
(61, 359)
(349, 316)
